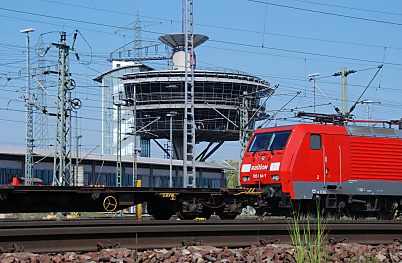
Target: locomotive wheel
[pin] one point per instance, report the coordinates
(110, 203)
(160, 210)
(385, 214)
(388, 210)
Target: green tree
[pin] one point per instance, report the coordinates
(232, 174)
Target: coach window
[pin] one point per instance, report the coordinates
(315, 142)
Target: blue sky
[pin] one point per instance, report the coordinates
(280, 41)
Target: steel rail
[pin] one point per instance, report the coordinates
(91, 235)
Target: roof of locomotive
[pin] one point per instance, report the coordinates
(368, 131)
(352, 130)
(306, 127)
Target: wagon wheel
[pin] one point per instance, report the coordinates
(206, 213)
(186, 216)
(110, 203)
(160, 210)
(227, 216)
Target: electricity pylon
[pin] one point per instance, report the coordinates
(63, 173)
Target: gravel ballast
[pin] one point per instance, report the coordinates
(335, 252)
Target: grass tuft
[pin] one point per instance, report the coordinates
(308, 238)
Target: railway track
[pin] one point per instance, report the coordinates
(91, 235)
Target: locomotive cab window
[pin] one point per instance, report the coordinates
(315, 142)
(269, 141)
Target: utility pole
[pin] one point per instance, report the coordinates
(63, 167)
(344, 73)
(119, 170)
(29, 115)
(171, 115)
(77, 149)
(244, 130)
(244, 120)
(189, 172)
(135, 150)
(183, 15)
(118, 104)
(344, 91)
(312, 79)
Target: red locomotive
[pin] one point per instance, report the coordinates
(352, 169)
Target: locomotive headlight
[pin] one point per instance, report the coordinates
(246, 178)
(275, 177)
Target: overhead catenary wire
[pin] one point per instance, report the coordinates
(303, 52)
(170, 20)
(114, 26)
(99, 100)
(327, 13)
(349, 7)
(62, 18)
(267, 121)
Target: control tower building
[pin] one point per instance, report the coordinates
(225, 103)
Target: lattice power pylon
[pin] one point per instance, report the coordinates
(63, 166)
(41, 120)
(138, 37)
(245, 131)
(189, 172)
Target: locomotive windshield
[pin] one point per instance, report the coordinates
(269, 141)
